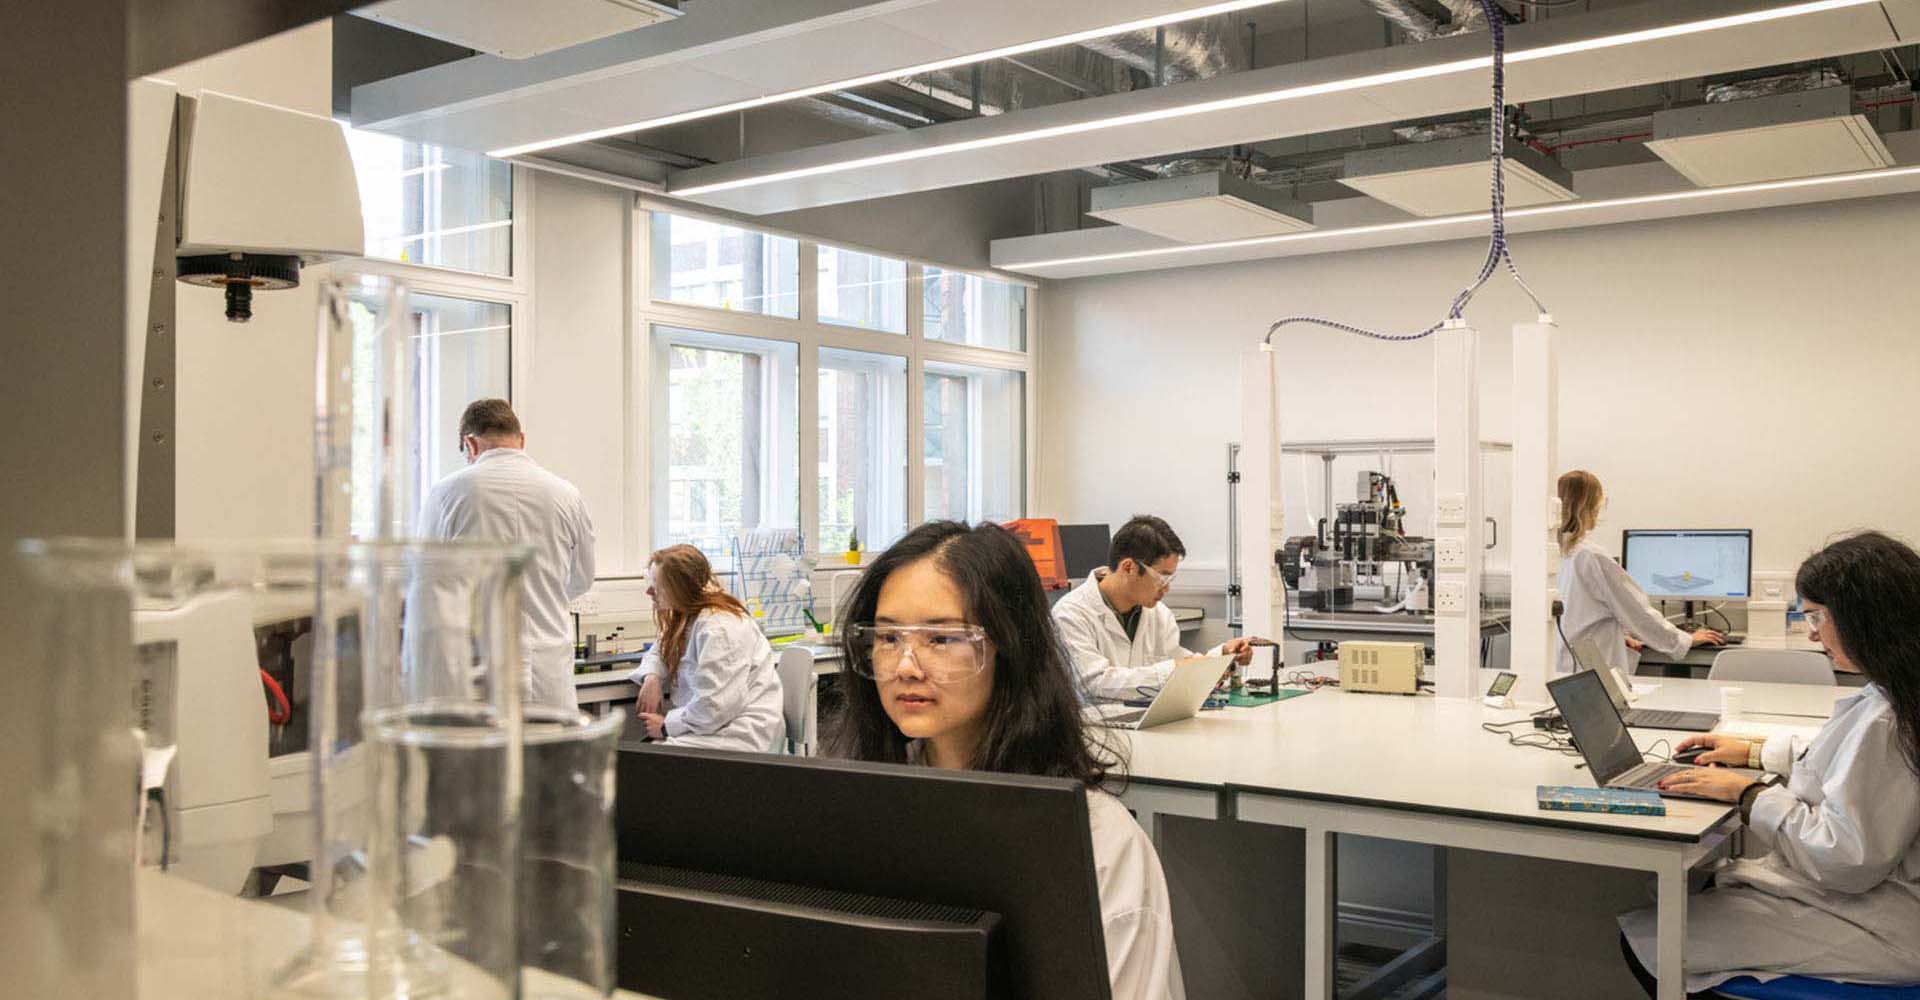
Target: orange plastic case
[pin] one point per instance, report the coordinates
(1041, 536)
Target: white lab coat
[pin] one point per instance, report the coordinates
(505, 495)
(1830, 886)
(1109, 664)
(1603, 607)
(1136, 913)
(726, 695)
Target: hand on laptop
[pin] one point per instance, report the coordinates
(1729, 750)
(1240, 649)
(1708, 637)
(1635, 644)
(1715, 783)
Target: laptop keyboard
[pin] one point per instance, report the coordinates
(1659, 718)
(1646, 776)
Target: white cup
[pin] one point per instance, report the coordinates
(1732, 702)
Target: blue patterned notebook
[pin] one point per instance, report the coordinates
(1573, 798)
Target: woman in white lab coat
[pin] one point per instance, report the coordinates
(1607, 616)
(710, 663)
(1830, 884)
(964, 669)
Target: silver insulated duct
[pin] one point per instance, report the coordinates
(1413, 19)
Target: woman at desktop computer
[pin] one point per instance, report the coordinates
(1830, 885)
(950, 627)
(1606, 612)
(710, 663)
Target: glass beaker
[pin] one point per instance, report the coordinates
(567, 921)
(404, 636)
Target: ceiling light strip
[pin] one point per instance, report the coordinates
(1138, 24)
(1275, 96)
(1693, 194)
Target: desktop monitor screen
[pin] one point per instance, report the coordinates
(1084, 548)
(1690, 565)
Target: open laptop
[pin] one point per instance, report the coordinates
(1620, 690)
(1602, 739)
(1185, 690)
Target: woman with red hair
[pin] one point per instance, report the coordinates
(710, 678)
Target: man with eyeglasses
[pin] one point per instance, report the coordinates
(1123, 641)
(503, 495)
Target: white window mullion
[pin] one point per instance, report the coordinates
(916, 392)
(809, 440)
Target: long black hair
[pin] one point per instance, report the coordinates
(1870, 584)
(1033, 723)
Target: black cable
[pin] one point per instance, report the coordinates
(158, 796)
(1723, 616)
(1497, 252)
(1533, 739)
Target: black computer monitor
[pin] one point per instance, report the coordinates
(745, 875)
(1084, 548)
(1696, 564)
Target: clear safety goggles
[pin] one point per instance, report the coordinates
(1165, 583)
(944, 654)
(1817, 618)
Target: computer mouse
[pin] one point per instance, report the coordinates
(1691, 756)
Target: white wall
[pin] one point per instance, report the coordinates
(244, 422)
(574, 403)
(1746, 370)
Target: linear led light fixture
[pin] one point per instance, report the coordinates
(1691, 194)
(1138, 24)
(1284, 94)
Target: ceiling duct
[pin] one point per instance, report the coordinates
(1776, 137)
(1783, 83)
(1197, 208)
(1414, 19)
(1449, 176)
(1191, 50)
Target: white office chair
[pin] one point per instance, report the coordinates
(1771, 666)
(797, 693)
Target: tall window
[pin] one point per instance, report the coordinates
(731, 460)
(828, 389)
(464, 348)
(862, 450)
(701, 263)
(973, 425)
(858, 289)
(980, 312)
(422, 204)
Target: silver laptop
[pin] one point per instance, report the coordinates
(1620, 690)
(1180, 697)
(1602, 739)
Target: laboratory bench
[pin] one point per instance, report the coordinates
(1696, 662)
(1418, 770)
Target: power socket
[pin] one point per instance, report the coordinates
(1450, 598)
(1450, 553)
(1450, 508)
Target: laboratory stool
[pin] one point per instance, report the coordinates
(1802, 988)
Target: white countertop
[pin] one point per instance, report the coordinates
(1424, 753)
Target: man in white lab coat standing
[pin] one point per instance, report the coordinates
(1119, 635)
(504, 495)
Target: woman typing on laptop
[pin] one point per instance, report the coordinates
(1830, 885)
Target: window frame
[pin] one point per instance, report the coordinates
(810, 334)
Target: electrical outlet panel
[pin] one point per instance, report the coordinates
(1450, 553)
(1450, 508)
(1450, 598)
(1553, 558)
(1554, 512)
(1277, 520)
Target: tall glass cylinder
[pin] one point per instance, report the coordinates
(567, 935)
(366, 447)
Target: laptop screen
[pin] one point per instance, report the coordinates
(1596, 725)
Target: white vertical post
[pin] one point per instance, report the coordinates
(1458, 504)
(1536, 463)
(1262, 511)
